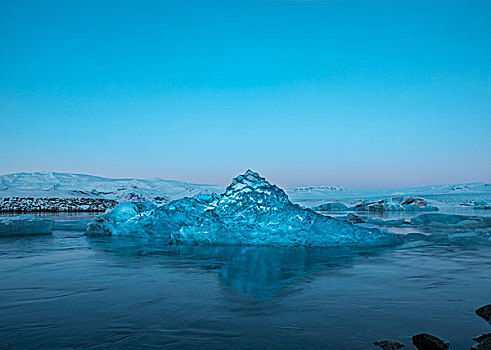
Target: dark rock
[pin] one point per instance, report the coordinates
(354, 219)
(482, 337)
(485, 312)
(429, 342)
(389, 344)
(485, 344)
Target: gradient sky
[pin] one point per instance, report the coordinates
(366, 95)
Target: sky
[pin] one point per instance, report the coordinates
(359, 94)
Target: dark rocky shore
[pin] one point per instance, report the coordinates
(33, 205)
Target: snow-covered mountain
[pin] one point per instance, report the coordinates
(446, 193)
(82, 191)
(318, 189)
(64, 185)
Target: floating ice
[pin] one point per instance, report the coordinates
(331, 206)
(484, 204)
(25, 225)
(250, 212)
(68, 225)
(451, 220)
(413, 204)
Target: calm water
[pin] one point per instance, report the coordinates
(68, 290)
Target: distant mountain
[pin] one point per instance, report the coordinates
(312, 196)
(64, 185)
(318, 189)
(80, 186)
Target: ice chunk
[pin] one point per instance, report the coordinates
(120, 218)
(25, 225)
(250, 212)
(452, 220)
(482, 204)
(382, 205)
(331, 206)
(413, 204)
(356, 219)
(70, 225)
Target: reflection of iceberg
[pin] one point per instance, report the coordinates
(25, 225)
(250, 212)
(258, 272)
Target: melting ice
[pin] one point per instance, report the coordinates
(251, 211)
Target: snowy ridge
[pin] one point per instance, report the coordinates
(64, 185)
(454, 193)
(318, 189)
(47, 186)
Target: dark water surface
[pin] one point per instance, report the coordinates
(71, 291)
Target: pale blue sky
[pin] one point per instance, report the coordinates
(361, 94)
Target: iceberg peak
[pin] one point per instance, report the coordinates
(253, 192)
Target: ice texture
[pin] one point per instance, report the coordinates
(331, 206)
(452, 220)
(25, 225)
(412, 204)
(251, 211)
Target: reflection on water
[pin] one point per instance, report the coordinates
(259, 272)
(71, 291)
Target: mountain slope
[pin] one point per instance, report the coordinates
(64, 185)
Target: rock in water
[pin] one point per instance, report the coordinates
(250, 212)
(389, 344)
(485, 312)
(482, 337)
(429, 342)
(484, 342)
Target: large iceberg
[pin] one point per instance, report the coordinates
(250, 212)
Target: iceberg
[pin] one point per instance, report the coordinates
(251, 211)
(24, 225)
(452, 220)
(412, 204)
(331, 206)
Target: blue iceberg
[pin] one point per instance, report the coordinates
(250, 212)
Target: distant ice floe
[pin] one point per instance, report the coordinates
(25, 225)
(437, 227)
(484, 204)
(410, 204)
(251, 211)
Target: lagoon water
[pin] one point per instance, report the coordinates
(72, 291)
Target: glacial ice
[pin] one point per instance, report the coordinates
(251, 211)
(25, 225)
(452, 220)
(331, 206)
(412, 204)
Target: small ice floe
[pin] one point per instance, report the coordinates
(331, 206)
(411, 204)
(69, 225)
(25, 225)
(452, 220)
